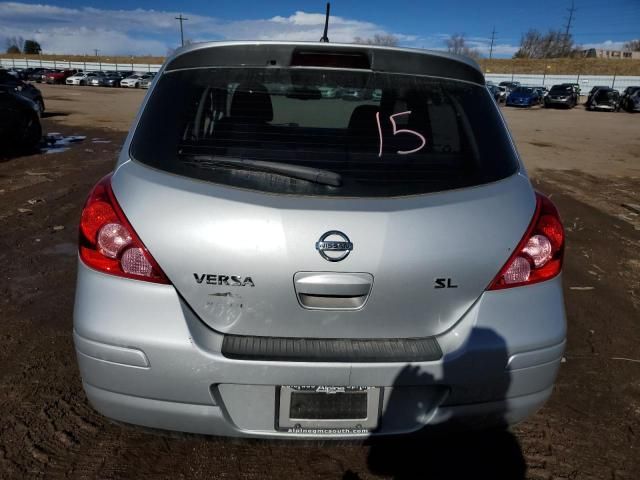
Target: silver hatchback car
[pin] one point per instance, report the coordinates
(269, 261)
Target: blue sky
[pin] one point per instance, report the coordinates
(148, 27)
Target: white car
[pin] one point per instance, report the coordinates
(503, 94)
(81, 78)
(133, 81)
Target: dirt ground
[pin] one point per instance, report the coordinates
(590, 429)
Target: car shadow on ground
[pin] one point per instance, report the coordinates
(8, 153)
(54, 114)
(477, 447)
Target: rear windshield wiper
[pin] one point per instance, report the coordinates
(310, 174)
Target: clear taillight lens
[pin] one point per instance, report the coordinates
(108, 242)
(112, 238)
(539, 254)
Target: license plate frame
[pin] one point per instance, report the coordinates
(365, 423)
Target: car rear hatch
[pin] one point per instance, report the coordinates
(276, 211)
(236, 257)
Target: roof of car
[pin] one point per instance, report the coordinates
(271, 53)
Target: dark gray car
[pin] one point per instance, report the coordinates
(563, 95)
(23, 88)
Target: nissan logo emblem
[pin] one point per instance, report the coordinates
(334, 246)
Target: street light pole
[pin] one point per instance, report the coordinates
(181, 19)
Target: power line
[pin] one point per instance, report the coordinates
(181, 19)
(493, 37)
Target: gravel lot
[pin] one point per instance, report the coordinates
(590, 429)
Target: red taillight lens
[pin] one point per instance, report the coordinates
(109, 244)
(539, 254)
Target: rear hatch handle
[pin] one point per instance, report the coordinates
(332, 290)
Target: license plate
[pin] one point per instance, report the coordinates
(327, 409)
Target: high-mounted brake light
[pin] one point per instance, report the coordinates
(539, 254)
(109, 244)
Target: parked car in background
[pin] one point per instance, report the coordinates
(562, 95)
(630, 99)
(542, 91)
(503, 93)
(509, 86)
(604, 98)
(58, 76)
(19, 73)
(13, 72)
(110, 80)
(19, 122)
(495, 92)
(26, 73)
(133, 81)
(594, 89)
(37, 74)
(523, 97)
(96, 80)
(355, 94)
(576, 89)
(81, 78)
(328, 92)
(23, 88)
(353, 269)
(146, 81)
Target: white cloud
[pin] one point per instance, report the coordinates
(139, 31)
(606, 45)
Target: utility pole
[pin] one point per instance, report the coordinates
(181, 19)
(493, 37)
(95, 50)
(571, 11)
(567, 47)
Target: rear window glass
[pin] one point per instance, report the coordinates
(526, 90)
(606, 95)
(370, 134)
(561, 89)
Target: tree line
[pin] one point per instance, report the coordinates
(20, 45)
(533, 44)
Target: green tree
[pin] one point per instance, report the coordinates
(31, 47)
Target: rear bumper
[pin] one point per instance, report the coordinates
(556, 101)
(605, 107)
(146, 359)
(211, 420)
(519, 104)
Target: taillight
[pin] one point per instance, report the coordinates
(109, 244)
(539, 254)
